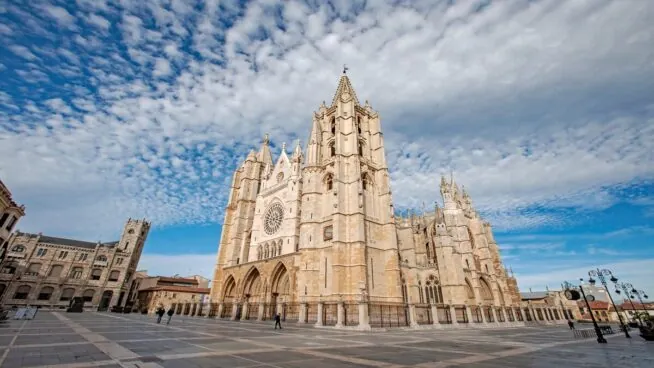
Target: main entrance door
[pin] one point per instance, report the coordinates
(106, 299)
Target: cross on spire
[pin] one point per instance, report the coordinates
(345, 69)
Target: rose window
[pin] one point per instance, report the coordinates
(273, 218)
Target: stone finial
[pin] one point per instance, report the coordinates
(266, 139)
(283, 146)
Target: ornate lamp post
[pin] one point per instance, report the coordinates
(572, 294)
(627, 288)
(600, 275)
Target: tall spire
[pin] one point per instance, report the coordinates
(264, 154)
(345, 89)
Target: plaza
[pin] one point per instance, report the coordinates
(57, 339)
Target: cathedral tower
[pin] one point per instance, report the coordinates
(347, 231)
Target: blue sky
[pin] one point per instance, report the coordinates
(542, 109)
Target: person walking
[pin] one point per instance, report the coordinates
(278, 319)
(160, 313)
(571, 325)
(170, 315)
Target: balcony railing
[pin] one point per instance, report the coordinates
(101, 263)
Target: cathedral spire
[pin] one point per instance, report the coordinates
(344, 90)
(264, 154)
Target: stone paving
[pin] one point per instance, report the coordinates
(55, 339)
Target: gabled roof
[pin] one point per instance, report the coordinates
(344, 85)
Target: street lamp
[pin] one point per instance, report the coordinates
(572, 294)
(600, 275)
(627, 288)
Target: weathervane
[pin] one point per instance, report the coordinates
(345, 68)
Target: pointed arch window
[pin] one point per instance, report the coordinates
(359, 124)
(364, 181)
(329, 181)
(428, 251)
(332, 125)
(280, 177)
(360, 148)
(433, 291)
(332, 149)
(421, 295)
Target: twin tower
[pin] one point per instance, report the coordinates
(318, 224)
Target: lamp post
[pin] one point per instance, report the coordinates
(600, 275)
(640, 294)
(598, 332)
(627, 288)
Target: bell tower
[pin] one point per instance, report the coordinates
(347, 227)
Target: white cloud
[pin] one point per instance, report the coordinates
(23, 52)
(183, 264)
(638, 272)
(532, 104)
(59, 14)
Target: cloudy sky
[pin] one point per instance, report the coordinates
(543, 109)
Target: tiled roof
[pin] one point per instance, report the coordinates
(638, 306)
(178, 280)
(179, 289)
(597, 304)
(73, 242)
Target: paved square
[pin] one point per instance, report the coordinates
(56, 339)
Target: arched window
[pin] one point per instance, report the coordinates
(273, 251)
(421, 295)
(360, 148)
(280, 177)
(96, 274)
(22, 292)
(67, 294)
(88, 295)
(76, 273)
(359, 124)
(101, 258)
(428, 251)
(18, 248)
(114, 275)
(405, 294)
(333, 125)
(34, 269)
(332, 149)
(10, 267)
(279, 249)
(364, 181)
(55, 271)
(433, 291)
(267, 251)
(259, 252)
(329, 181)
(46, 293)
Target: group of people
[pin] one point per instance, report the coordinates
(161, 311)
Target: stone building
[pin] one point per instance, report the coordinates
(10, 213)
(47, 271)
(548, 306)
(313, 235)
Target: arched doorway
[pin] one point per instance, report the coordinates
(229, 290)
(280, 285)
(470, 294)
(253, 287)
(106, 299)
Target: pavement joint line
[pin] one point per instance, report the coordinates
(213, 353)
(355, 360)
(98, 363)
(54, 344)
(112, 349)
(11, 344)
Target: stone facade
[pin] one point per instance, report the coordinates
(46, 271)
(550, 305)
(10, 213)
(313, 234)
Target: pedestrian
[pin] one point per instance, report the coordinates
(170, 315)
(278, 319)
(571, 324)
(160, 313)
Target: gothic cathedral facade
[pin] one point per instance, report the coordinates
(318, 226)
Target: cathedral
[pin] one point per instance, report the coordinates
(313, 235)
